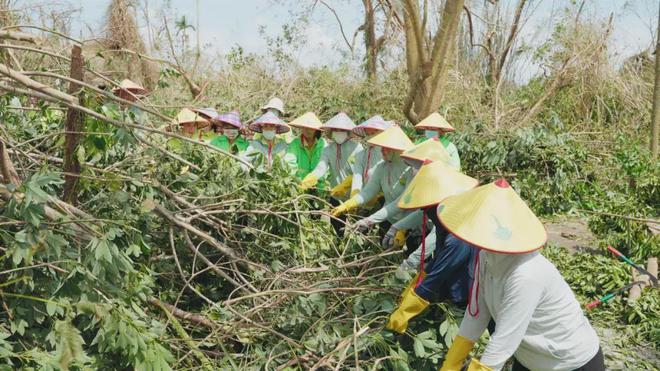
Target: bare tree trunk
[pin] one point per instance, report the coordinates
(427, 72)
(73, 125)
(370, 39)
(655, 119)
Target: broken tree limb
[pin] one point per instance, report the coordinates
(73, 125)
(18, 36)
(186, 316)
(645, 280)
(35, 85)
(222, 248)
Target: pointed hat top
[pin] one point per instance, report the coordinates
(376, 122)
(340, 121)
(307, 121)
(130, 87)
(269, 118)
(393, 138)
(275, 103)
(493, 217)
(434, 182)
(431, 149)
(435, 121)
(186, 116)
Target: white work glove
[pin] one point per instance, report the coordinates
(363, 224)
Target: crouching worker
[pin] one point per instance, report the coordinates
(448, 275)
(390, 177)
(538, 320)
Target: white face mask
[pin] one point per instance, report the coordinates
(431, 134)
(339, 136)
(231, 133)
(268, 134)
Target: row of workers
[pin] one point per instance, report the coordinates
(482, 241)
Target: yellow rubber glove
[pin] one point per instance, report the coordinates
(354, 192)
(345, 207)
(309, 181)
(400, 238)
(341, 189)
(457, 354)
(374, 202)
(475, 365)
(411, 305)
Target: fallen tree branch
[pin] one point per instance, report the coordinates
(18, 36)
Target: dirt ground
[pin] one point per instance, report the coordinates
(571, 233)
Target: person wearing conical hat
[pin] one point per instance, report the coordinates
(188, 124)
(132, 92)
(274, 106)
(370, 156)
(306, 150)
(447, 276)
(228, 129)
(338, 156)
(428, 150)
(268, 144)
(538, 320)
(390, 177)
(436, 126)
(207, 133)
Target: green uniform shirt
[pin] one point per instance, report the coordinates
(306, 159)
(366, 160)
(455, 160)
(391, 178)
(221, 141)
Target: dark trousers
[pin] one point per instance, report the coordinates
(597, 363)
(338, 224)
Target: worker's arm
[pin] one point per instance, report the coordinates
(372, 187)
(391, 210)
(322, 167)
(410, 221)
(358, 168)
(473, 326)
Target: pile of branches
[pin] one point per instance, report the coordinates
(118, 252)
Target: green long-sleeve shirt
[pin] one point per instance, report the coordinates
(366, 161)
(391, 178)
(306, 159)
(221, 141)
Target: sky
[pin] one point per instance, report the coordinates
(226, 23)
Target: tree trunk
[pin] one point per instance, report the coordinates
(427, 72)
(655, 118)
(73, 125)
(370, 39)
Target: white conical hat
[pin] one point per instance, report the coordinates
(340, 121)
(275, 103)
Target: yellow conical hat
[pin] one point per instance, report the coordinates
(187, 116)
(493, 217)
(392, 138)
(434, 121)
(308, 121)
(130, 86)
(431, 149)
(434, 182)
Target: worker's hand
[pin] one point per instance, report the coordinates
(364, 224)
(457, 354)
(341, 189)
(309, 181)
(400, 238)
(344, 207)
(388, 239)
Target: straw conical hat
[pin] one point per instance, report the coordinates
(493, 217)
(375, 122)
(431, 149)
(434, 121)
(187, 116)
(307, 121)
(232, 118)
(269, 118)
(275, 103)
(207, 113)
(392, 138)
(434, 182)
(131, 87)
(340, 121)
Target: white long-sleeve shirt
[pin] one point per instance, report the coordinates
(537, 318)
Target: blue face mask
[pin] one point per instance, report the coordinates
(431, 134)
